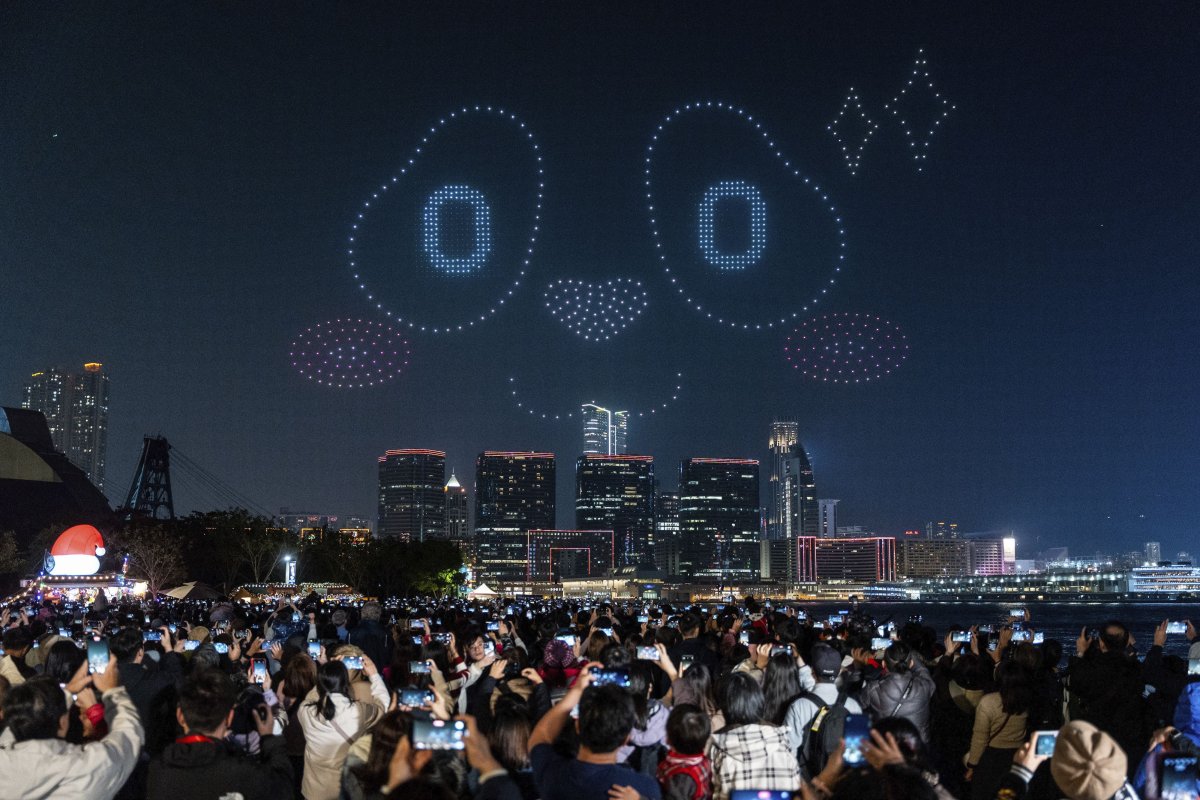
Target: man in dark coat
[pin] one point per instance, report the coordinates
(1105, 681)
(370, 636)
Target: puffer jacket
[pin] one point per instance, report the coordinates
(901, 694)
(1187, 713)
(752, 757)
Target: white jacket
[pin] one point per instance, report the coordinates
(325, 747)
(46, 769)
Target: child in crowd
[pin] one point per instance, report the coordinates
(686, 772)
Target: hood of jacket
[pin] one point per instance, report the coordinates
(1187, 712)
(749, 742)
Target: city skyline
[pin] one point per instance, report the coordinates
(1017, 306)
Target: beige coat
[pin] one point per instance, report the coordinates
(325, 747)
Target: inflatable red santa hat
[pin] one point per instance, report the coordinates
(76, 552)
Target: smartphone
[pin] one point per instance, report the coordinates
(606, 631)
(416, 698)
(1043, 743)
(961, 637)
(992, 645)
(834, 621)
(642, 618)
(1022, 636)
(801, 615)
(1017, 613)
(419, 668)
(152, 636)
(172, 627)
(744, 637)
(856, 734)
(221, 648)
(881, 643)
(418, 640)
(566, 638)
(781, 650)
(489, 648)
(260, 670)
(1177, 627)
(493, 626)
(418, 625)
(1177, 776)
(314, 650)
(761, 794)
(64, 633)
(647, 653)
(1039, 637)
(1194, 666)
(353, 662)
(985, 628)
(97, 656)
(687, 661)
(190, 644)
(437, 734)
(611, 677)
(295, 616)
(444, 638)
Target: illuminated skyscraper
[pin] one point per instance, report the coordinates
(792, 503)
(456, 510)
(1153, 553)
(719, 525)
(828, 517)
(75, 405)
(412, 501)
(514, 494)
(604, 432)
(616, 493)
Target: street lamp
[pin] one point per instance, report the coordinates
(289, 568)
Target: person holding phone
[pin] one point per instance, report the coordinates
(332, 721)
(1001, 719)
(36, 762)
(1086, 763)
(904, 689)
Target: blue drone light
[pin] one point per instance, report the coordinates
(737, 190)
(431, 233)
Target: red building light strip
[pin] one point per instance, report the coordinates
(746, 461)
(602, 457)
(437, 453)
(512, 454)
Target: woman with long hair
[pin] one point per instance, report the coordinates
(695, 686)
(332, 721)
(1001, 724)
(781, 685)
(365, 779)
(85, 719)
(749, 752)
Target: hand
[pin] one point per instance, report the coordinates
(368, 667)
(1161, 736)
(1026, 757)
(452, 648)
(665, 662)
(949, 644)
(860, 655)
(530, 674)
(235, 651)
(1191, 631)
(264, 720)
(277, 651)
(882, 751)
(322, 658)
(622, 793)
(109, 679)
(168, 641)
(1160, 634)
(496, 671)
(478, 751)
(576, 691)
(1082, 643)
(974, 641)
(80, 679)
(439, 707)
(85, 698)
(399, 770)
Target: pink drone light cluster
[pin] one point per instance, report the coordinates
(350, 353)
(846, 348)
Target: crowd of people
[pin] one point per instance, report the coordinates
(449, 699)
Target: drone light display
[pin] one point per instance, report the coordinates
(533, 412)
(920, 78)
(846, 348)
(597, 312)
(432, 235)
(350, 353)
(758, 211)
(853, 157)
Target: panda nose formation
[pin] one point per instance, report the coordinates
(596, 311)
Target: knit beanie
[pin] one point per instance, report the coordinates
(1087, 764)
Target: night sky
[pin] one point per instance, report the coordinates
(179, 181)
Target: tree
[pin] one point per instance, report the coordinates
(263, 549)
(153, 555)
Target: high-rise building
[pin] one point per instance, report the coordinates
(456, 510)
(1153, 551)
(666, 530)
(604, 432)
(514, 494)
(828, 528)
(941, 530)
(412, 500)
(866, 560)
(719, 524)
(935, 558)
(616, 493)
(792, 508)
(75, 405)
(554, 555)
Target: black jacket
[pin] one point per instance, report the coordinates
(210, 769)
(151, 686)
(1107, 688)
(374, 640)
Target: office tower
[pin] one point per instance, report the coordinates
(935, 558)
(75, 405)
(1153, 551)
(554, 555)
(792, 508)
(456, 510)
(719, 518)
(851, 560)
(828, 518)
(616, 493)
(993, 556)
(412, 503)
(941, 530)
(604, 432)
(666, 530)
(514, 494)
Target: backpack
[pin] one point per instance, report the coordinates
(822, 734)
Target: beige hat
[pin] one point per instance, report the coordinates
(1087, 763)
(198, 633)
